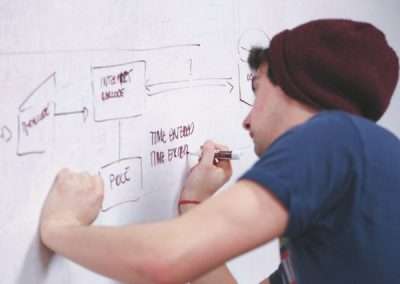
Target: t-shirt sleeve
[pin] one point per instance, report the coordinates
(309, 169)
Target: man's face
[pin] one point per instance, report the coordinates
(266, 115)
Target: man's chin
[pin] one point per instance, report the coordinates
(258, 151)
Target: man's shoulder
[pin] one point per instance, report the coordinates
(323, 129)
(333, 120)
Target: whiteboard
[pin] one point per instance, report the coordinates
(123, 89)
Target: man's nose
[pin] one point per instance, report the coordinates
(246, 122)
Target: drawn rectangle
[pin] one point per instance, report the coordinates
(118, 90)
(35, 119)
(123, 182)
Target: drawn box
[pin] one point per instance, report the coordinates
(118, 90)
(123, 182)
(35, 119)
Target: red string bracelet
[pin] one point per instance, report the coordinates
(185, 201)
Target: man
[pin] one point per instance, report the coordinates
(326, 179)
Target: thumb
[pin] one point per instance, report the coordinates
(207, 154)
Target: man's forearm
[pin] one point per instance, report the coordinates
(129, 254)
(220, 275)
(174, 251)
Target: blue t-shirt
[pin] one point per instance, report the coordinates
(339, 177)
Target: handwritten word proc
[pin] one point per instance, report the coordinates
(119, 179)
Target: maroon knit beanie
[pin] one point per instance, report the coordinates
(336, 64)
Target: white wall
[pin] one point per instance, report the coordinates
(181, 66)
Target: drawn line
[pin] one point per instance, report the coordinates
(117, 118)
(243, 101)
(88, 50)
(68, 113)
(188, 87)
(121, 160)
(84, 111)
(189, 80)
(167, 83)
(120, 64)
(119, 139)
(21, 107)
(6, 134)
(120, 203)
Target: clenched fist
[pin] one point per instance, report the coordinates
(74, 199)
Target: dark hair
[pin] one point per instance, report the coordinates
(257, 57)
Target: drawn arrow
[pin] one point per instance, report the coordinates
(84, 112)
(5, 134)
(170, 86)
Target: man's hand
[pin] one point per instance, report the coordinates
(208, 175)
(74, 199)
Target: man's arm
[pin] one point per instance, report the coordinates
(174, 251)
(193, 190)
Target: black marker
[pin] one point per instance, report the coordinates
(222, 155)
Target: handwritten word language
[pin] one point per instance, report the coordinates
(26, 125)
(105, 95)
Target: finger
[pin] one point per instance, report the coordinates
(226, 165)
(190, 171)
(98, 181)
(221, 147)
(63, 173)
(207, 154)
(98, 184)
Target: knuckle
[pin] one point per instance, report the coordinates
(223, 147)
(209, 144)
(63, 173)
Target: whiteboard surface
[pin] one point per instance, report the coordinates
(123, 88)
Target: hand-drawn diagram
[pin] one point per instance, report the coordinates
(123, 182)
(35, 119)
(119, 92)
(246, 41)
